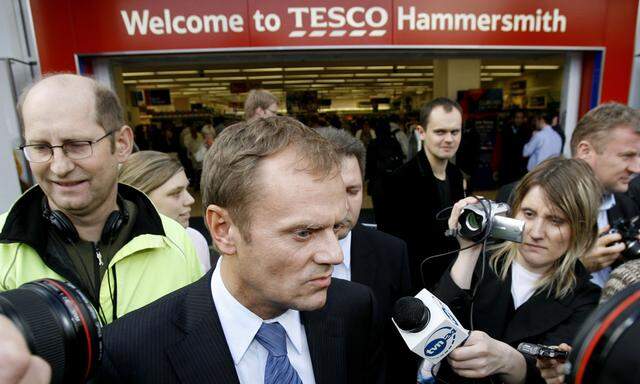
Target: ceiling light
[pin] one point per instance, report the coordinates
(486, 79)
(417, 67)
(230, 78)
(501, 67)
(337, 75)
(371, 74)
(272, 82)
(540, 67)
(155, 81)
(129, 74)
(193, 79)
(177, 73)
(129, 82)
(262, 70)
(505, 74)
(300, 69)
(407, 74)
(266, 77)
(298, 81)
(379, 67)
(355, 68)
(331, 81)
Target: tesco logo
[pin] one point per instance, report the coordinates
(338, 21)
(440, 341)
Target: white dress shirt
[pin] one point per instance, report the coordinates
(343, 270)
(608, 201)
(523, 284)
(240, 326)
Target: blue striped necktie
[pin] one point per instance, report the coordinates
(279, 370)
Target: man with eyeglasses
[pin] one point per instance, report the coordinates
(78, 224)
(260, 103)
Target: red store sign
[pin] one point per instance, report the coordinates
(66, 28)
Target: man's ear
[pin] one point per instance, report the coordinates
(124, 143)
(422, 132)
(223, 232)
(585, 150)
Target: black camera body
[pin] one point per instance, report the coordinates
(629, 230)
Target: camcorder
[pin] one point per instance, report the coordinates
(59, 324)
(487, 218)
(629, 230)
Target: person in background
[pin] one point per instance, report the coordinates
(162, 178)
(416, 192)
(366, 134)
(536, 291)
(78, 224)
(372, 257)
(544, 143)
(608, 139)
(507, 158)
(260, 103)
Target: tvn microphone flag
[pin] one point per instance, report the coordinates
(427, 326)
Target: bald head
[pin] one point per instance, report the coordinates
(58, 95)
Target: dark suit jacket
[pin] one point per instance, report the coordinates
(411, 203)
(380, 261)
(540, 320)
(179, 339)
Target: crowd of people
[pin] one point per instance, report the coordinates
(294, 287)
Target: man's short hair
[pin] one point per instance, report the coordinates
(597, 124)
(258, 98)
(108, 111)
(427, 108)
(345, 145)
(229, 172)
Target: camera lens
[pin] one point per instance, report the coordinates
(473, 221)
(59, 325)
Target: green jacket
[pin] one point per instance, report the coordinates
(158, 259)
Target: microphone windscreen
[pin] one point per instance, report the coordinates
(410, 314)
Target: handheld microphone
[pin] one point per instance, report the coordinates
(427, 326)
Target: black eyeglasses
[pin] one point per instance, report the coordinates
(75, 150)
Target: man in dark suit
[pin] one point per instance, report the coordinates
(372, 257)
(608, 139)
(270, 311)
(415, 193)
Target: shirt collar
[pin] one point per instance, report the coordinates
(345, 245)
(240, 325)
(608, 201)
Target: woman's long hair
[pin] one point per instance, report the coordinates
(571, 188)
(148, 170)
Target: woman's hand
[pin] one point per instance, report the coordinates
(552, 370)
(465, 263)
(482, 356)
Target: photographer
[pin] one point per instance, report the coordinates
(533, 292)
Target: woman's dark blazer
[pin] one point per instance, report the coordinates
(542, 319)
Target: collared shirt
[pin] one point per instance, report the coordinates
(343, 270)
(608, 201)
(544, 144)
(240, 326)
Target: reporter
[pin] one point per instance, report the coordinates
(17, 364)
(163, 180)
(535, 292)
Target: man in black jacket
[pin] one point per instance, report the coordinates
(372, 257)
(608, 139)
(416, 192)
(270, 311)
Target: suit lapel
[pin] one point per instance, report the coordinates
(363, 265)
(203, 355)
(327, 349)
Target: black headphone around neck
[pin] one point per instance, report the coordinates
(63, 226)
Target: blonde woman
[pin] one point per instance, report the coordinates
(163, 180)
(536, 291)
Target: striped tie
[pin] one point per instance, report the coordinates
(279, 369)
